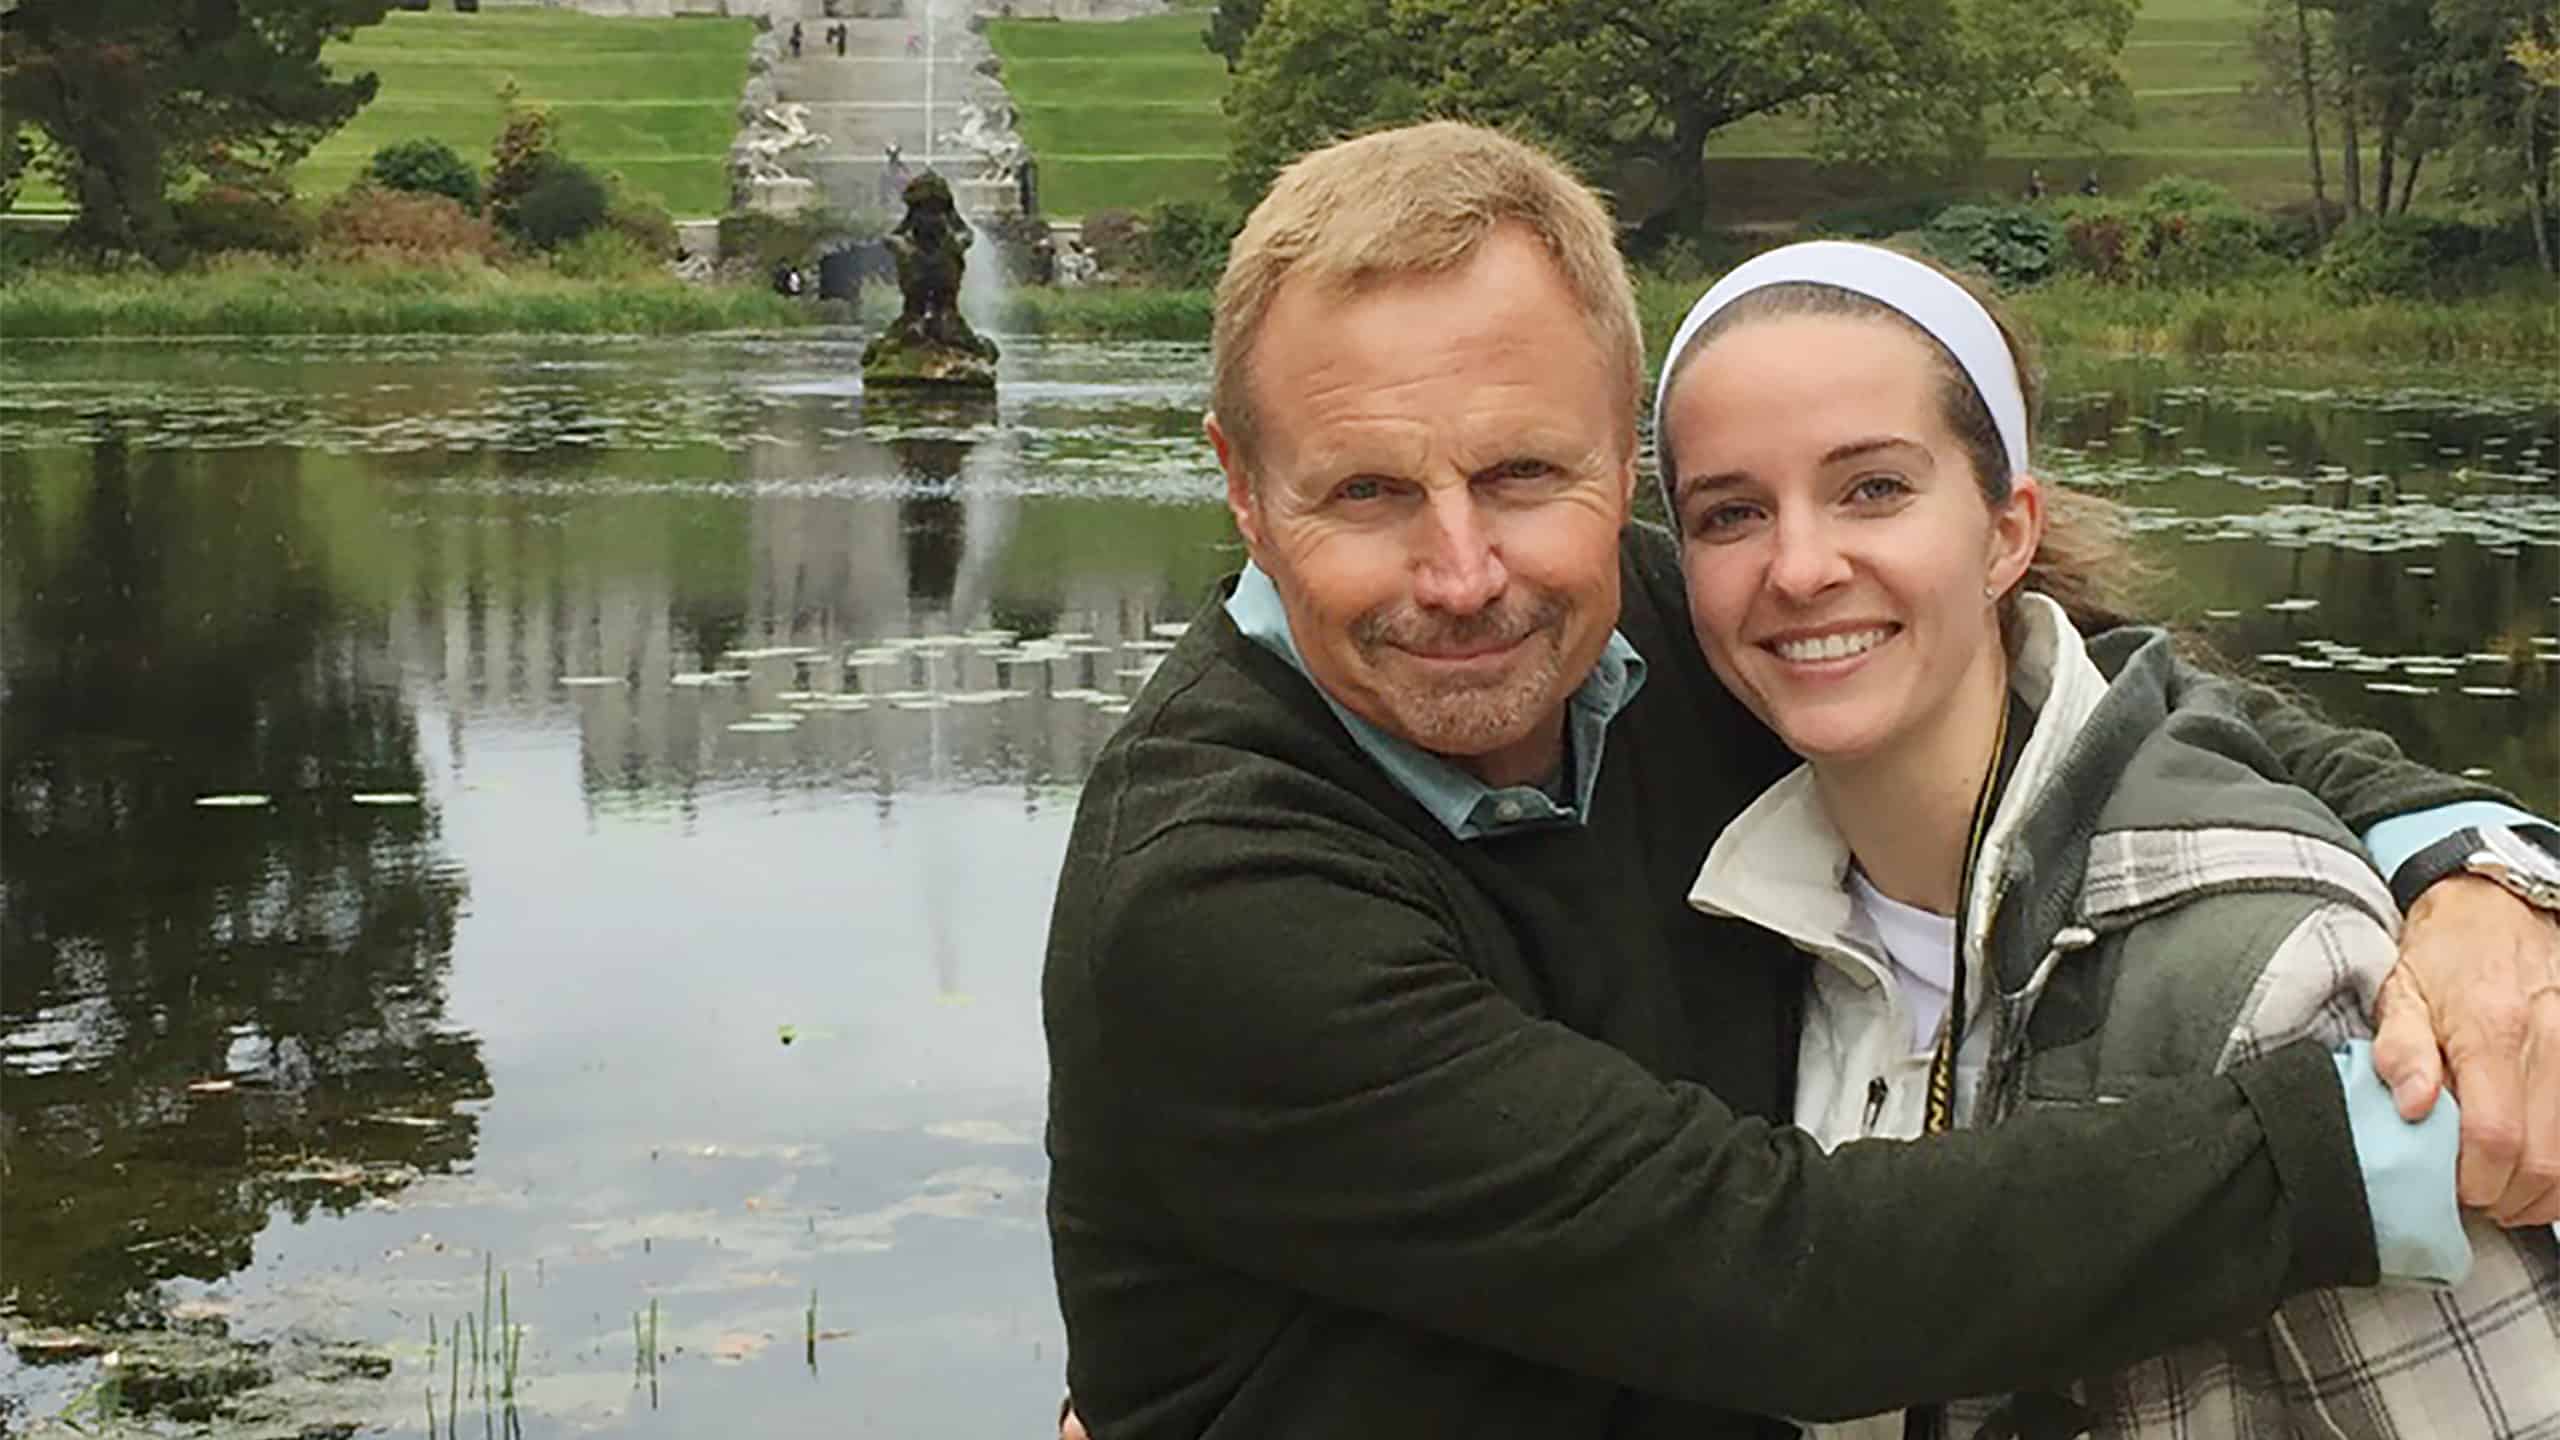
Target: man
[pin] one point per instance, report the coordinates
(1395, 1088)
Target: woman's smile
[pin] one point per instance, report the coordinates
(1830, 646)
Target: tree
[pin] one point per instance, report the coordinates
(2383, 68)
(2310, 85)
(2537, 56)
(524, 149)
(132, 96)
(1606, 81)
(2496, 74)
(1231, 24)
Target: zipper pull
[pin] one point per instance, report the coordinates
(1875, 1105)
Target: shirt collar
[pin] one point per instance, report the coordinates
(1468, 807)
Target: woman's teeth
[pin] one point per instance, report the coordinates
(1830, 647)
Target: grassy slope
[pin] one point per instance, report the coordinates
(1124, 115)
(652, 100)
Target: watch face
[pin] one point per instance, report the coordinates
(2509, 859)
(2513, 851)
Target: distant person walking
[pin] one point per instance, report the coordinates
(795, 39)
(2089, 186)
(2035, 186)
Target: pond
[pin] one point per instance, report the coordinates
(550, 843)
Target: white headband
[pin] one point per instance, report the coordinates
(1932, 301)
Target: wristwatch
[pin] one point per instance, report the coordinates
(2503, 853)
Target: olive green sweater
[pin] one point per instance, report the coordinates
(1357, 1129)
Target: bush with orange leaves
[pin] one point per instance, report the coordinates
(370, 223)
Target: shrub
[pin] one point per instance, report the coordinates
(1186, 243)
(2463, 248)
(366, 222)
(2180, 192)
(2102, 240)
(426, 167)
(606, 253)
(2177, 230)
(2297, 226)
(231, 217)
(1116, 241)
(2212, 242)
(2013, 244)
(25, 245)
(759, 241)
(643, 221)
(2376, 258)
(564, 201)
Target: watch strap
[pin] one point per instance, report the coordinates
(2446, 857)
(2452, 856)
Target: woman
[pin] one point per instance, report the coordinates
(2028, 869)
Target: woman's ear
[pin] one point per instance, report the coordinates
(2017, 528)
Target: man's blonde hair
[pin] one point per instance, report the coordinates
(1417, 200)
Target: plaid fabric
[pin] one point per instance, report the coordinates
(2481, 1359)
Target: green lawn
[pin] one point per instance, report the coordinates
(652, 100)
(1125, 115)
(1122, 115)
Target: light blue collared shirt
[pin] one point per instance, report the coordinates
(1469, 808)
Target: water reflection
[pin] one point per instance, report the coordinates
(215, 1017)
(2391, 550)
(744, 718)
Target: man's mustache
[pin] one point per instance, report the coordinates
(1494, 627)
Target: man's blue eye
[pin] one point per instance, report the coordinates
(1359, 490)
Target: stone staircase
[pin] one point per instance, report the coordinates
(877, 92)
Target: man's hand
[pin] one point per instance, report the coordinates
(2478, 988)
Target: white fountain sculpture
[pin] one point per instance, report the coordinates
(779, 130)
(999, 152)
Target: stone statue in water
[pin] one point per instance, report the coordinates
(931, 345)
